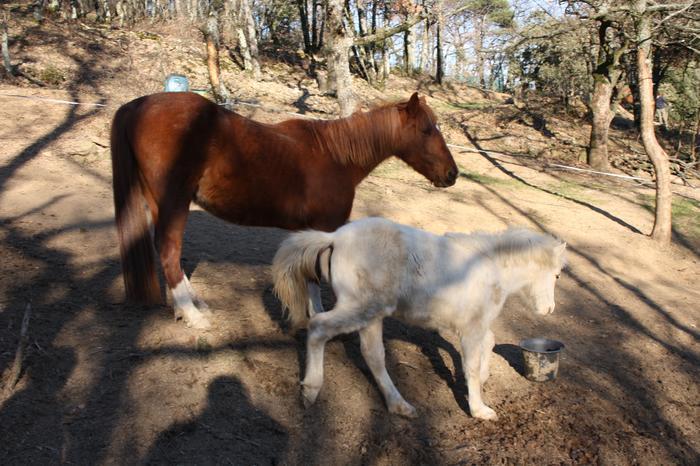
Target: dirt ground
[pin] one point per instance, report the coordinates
(109, 383)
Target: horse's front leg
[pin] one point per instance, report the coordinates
(471, 362)
(169, 232)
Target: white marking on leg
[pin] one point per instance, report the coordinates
(198, 302)
(185, 308)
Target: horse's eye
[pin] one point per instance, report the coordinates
(427, 130)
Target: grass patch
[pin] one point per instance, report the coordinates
(470, 105)
(685, 213)
(488, 180)
(570, 189)
(52, 75)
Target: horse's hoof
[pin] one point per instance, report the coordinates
(203, 307)
(199, 322)
(485, 413)
(404, 409)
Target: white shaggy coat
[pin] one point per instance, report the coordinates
(378, 268)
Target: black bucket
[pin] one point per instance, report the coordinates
(541, 357)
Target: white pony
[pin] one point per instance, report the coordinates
(378, 268)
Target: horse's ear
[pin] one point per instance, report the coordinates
(413, 104)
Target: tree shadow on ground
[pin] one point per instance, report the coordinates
(514, 176)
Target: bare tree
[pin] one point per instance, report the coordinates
(7, 64)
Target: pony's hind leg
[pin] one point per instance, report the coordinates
(373, 352)
(315, 306)
(323, 327)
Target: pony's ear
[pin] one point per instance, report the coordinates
(413, 104)
(559, 250)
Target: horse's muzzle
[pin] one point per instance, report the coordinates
(449, 180)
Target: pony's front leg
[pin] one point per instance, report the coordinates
(487, 345)
(373, 352)
(471, 362)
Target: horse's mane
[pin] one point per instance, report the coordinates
(361, 137)
(513, 246)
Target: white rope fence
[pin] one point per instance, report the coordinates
(296, 114)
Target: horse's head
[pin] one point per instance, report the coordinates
(421, 144)
(541, 288)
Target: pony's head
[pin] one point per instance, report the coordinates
(548, 269)
(421, 144)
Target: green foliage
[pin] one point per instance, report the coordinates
(52, 75)
(684, 211)
(682, 88)
(497, 12)
(557, 59)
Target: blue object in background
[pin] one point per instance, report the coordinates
(176, 83)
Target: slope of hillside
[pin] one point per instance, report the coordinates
(107, 382)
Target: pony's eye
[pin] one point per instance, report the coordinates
(558, 275)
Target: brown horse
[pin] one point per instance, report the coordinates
(173, 148)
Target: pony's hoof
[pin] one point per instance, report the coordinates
(484, 376)
(404, 409)
(485, 413)
(309, 395)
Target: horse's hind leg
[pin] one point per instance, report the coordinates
(169, 231)
(373, 352)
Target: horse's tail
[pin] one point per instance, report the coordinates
(135, 244)
(294, 265)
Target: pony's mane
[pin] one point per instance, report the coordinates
(360, 138)
(513, 246)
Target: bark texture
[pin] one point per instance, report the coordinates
(659, 159)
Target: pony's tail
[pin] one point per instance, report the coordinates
(135, 244)
(293, 266)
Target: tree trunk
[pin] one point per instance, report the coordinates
(251, 37)
(695, 141)
(409, 51)
(659, 159)
(219, 89)
(479, 50)
(424, 63)
(338, 43)
(601, 117)
(304, 19)
(5, 47)
(439, 62)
